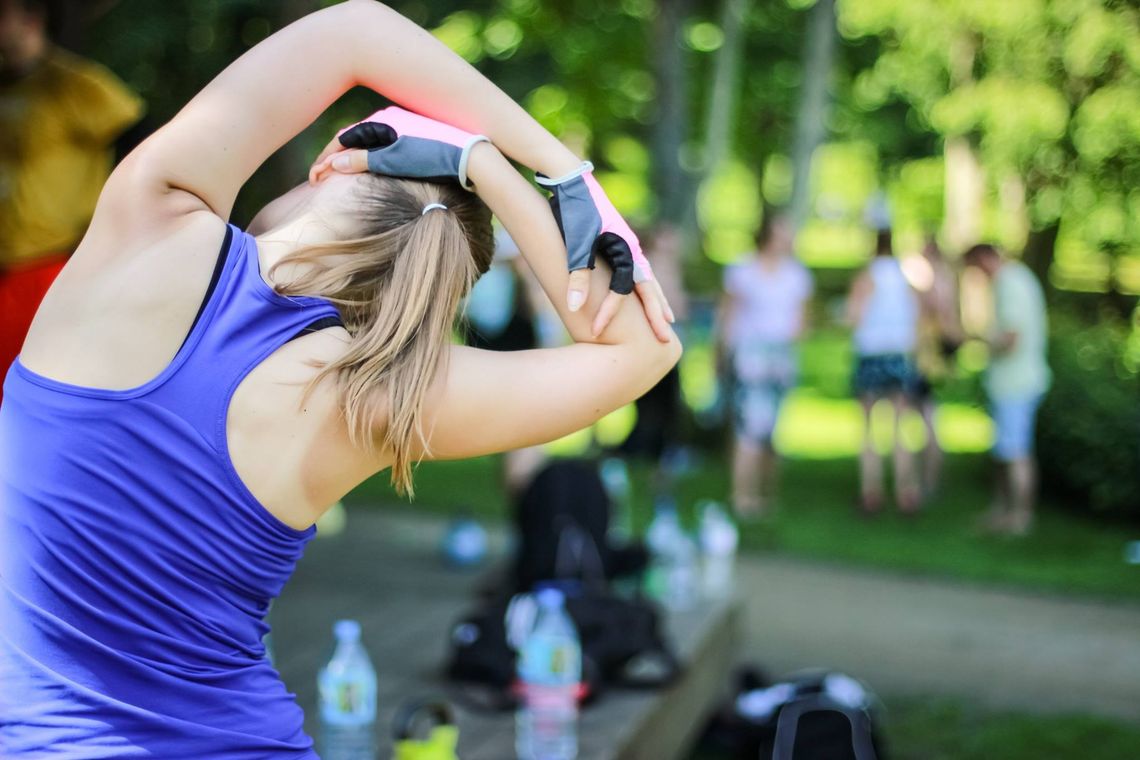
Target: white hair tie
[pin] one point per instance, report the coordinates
(431, 206)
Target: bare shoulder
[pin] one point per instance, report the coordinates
(137, 207)
(124, 303)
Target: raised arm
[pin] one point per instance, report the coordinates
(281, 85)
(491, 401)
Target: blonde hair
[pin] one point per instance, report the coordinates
(398, 287)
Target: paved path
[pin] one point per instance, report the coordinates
(917, 636)
(911, 636)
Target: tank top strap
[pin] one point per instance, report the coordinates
(242, 322)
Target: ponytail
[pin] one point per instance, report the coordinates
(398, 290)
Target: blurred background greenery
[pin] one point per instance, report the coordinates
(1016, 121)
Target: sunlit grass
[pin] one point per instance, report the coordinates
(817, 427)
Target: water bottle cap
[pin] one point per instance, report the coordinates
(549, 597)
(346, 630)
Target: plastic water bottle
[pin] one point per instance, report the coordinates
(672, 577)
(615, 478)
(664, 527)
(683, 580)
(719, 539)
(658, 538)
(347, 697)
(550, 669)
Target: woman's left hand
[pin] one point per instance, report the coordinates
(399, 143)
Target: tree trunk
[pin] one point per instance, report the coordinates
(1039, 250)
(962, 200)
(724, 93)
(819, 52)
(965, 181)
(669, 178)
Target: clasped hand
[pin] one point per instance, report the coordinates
(398, 143)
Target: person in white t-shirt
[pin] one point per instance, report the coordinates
(763, 315)
(1016, 382)
(884, 310)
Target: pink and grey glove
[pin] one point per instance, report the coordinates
(404, 144)
(592, 227)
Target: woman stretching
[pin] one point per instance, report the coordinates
(178, 419)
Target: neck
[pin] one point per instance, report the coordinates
(307, 229)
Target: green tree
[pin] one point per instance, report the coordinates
(1046, 93)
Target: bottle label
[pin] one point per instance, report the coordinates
(551, 661)
(347, 702)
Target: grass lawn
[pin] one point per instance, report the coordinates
(941, 729)
(817, 520)
(820, 435)
(944, 729)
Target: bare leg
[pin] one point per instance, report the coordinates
(908, 493)
(746, 469)
(870, 464)
(996, 518)
(769, 474)
(1023, 494)
(932, 454)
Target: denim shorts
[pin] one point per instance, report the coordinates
(1014, 422)
(885, 374)
(764, 373)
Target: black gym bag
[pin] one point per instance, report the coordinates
(562, 519)
(815, 715)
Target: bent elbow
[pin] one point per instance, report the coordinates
(665, 357)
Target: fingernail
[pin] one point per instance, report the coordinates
(342, 163)
(575, 300)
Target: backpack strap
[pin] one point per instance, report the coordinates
(791, 713)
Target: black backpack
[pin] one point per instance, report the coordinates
(814, 715)
(562, 517)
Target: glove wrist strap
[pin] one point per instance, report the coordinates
(465, 156)
(545, 181)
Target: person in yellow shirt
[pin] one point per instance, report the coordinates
(59, 118)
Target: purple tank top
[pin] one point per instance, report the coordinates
(136, 569)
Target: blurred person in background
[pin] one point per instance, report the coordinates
(940, 335)
(656, 432)
(1016, 381)
(762, 316)
(60, 116)
(884, 310)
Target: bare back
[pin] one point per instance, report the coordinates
(118, 315)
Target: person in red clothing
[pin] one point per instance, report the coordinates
(60, 116)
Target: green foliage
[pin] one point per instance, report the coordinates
(1046, 90)
(1089, 426)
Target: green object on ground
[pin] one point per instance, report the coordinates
(440, 745)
